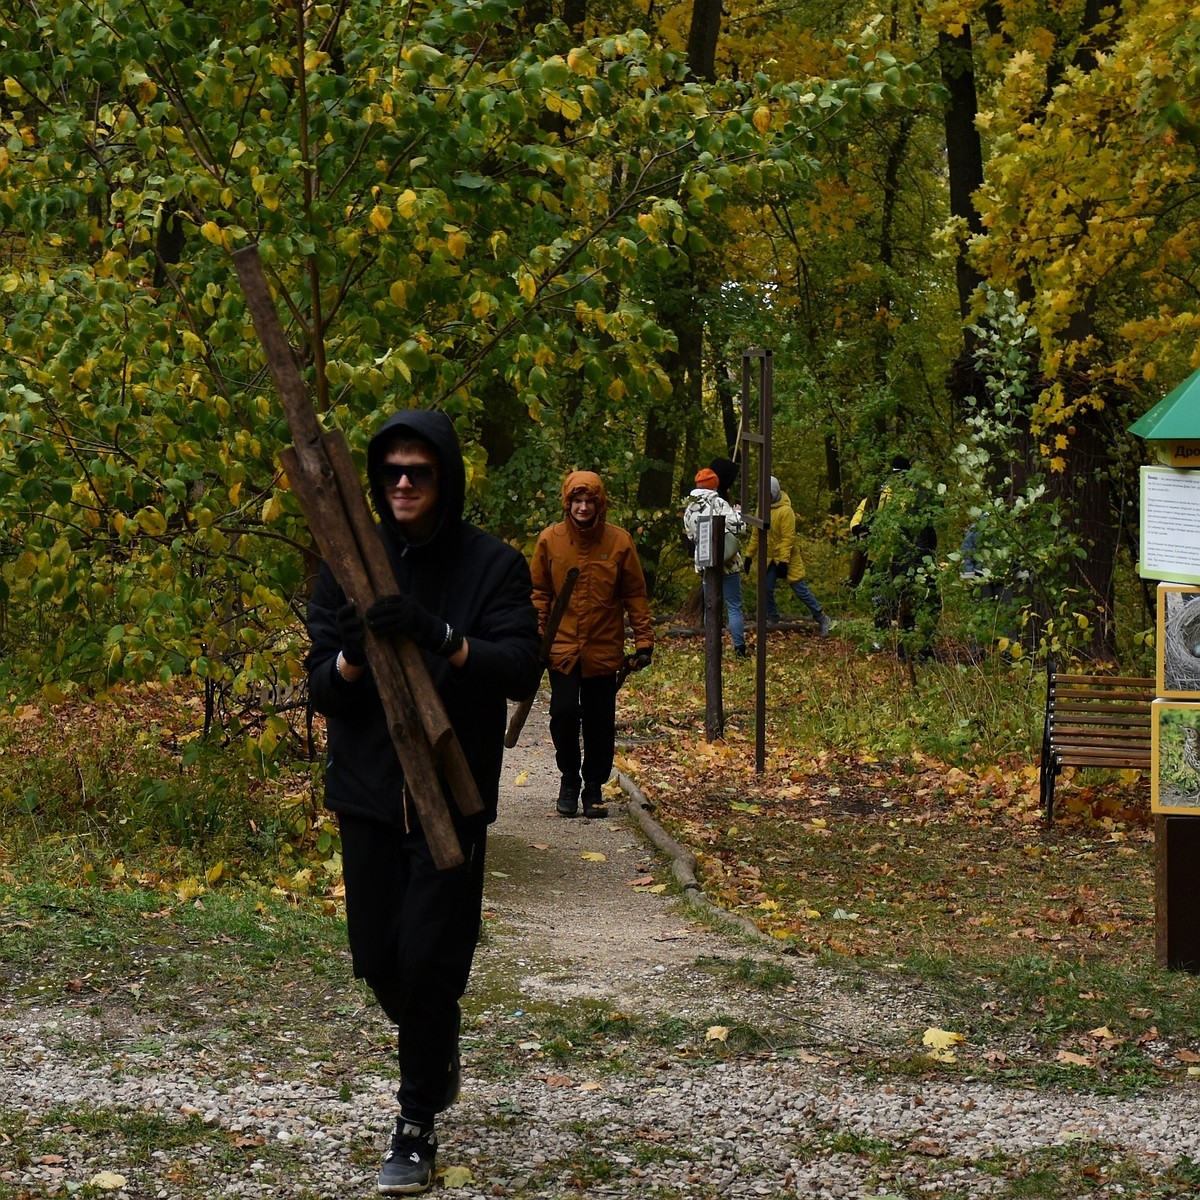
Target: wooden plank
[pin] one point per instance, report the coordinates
(1103, 760)
(1098, 721)
(1067, 732)
(1141, 681)
(334, 506)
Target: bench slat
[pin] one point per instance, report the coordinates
(1099, 717)
(1138, 681)
(1098, 721)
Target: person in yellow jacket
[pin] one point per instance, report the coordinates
(589, 647)
(786, 563)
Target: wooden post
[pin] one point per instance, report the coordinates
(521, 713)
(758, 434)
(714, 608)
(322, 474)
(1176, 899)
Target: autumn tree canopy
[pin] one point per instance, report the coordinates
(448, 219)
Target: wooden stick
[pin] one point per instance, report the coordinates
(321, 473)
(521, 713)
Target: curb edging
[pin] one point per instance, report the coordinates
(683, 861)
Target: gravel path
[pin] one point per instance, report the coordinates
(568, 927)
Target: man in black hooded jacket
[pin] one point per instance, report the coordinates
(464, 598)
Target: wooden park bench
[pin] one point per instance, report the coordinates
(1093, 721)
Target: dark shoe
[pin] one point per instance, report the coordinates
(741, 652)
(824, 624)
(408, 1167)
(593, 801)
(568, 798)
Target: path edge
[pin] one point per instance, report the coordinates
(683, 861)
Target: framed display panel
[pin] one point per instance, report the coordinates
(1175, 757)
(1178, 641)
(1170, 525)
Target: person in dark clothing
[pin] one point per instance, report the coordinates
(464, 598)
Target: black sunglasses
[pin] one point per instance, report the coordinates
(420, 475)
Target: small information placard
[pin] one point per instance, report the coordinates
(1170, 533)
(704, 543)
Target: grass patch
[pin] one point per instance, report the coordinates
(897, 830)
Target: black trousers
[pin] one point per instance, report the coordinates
(586, 707)
(413, 931)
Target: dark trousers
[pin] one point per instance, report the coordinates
(413, 931)
(586, 707)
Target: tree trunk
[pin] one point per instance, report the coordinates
(703, 34)
(964, 154)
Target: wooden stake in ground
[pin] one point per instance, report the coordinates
(521, 713)
(321, 472)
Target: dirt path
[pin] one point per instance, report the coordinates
(595, 933)
(578, 927)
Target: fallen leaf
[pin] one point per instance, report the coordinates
(522, 779)
(1187, 1056)
(941, 1039)
(559, 1081)
(939, 1042)
(108, 1181)
(927, 1146)
(593, 856)
(591, 1086)
(717, 1033)
(642, 881)
(456, 1177)
(1073, 1060)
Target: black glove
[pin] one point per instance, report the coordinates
(402, 616)
(353, 633)
(781, 568)
(746, 565)
(640, 659)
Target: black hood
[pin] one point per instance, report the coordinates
(437, 429)
(727, 472)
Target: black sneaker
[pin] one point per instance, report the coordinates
(741, 652)
(568, 797)
(408, 1167)
(593, 801)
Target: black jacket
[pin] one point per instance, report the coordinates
(474, 581)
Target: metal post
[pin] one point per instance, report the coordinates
(758, 434)
(714, 608)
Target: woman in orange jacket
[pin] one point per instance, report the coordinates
(589, 647)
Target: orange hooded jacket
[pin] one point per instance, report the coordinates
(610, 584)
